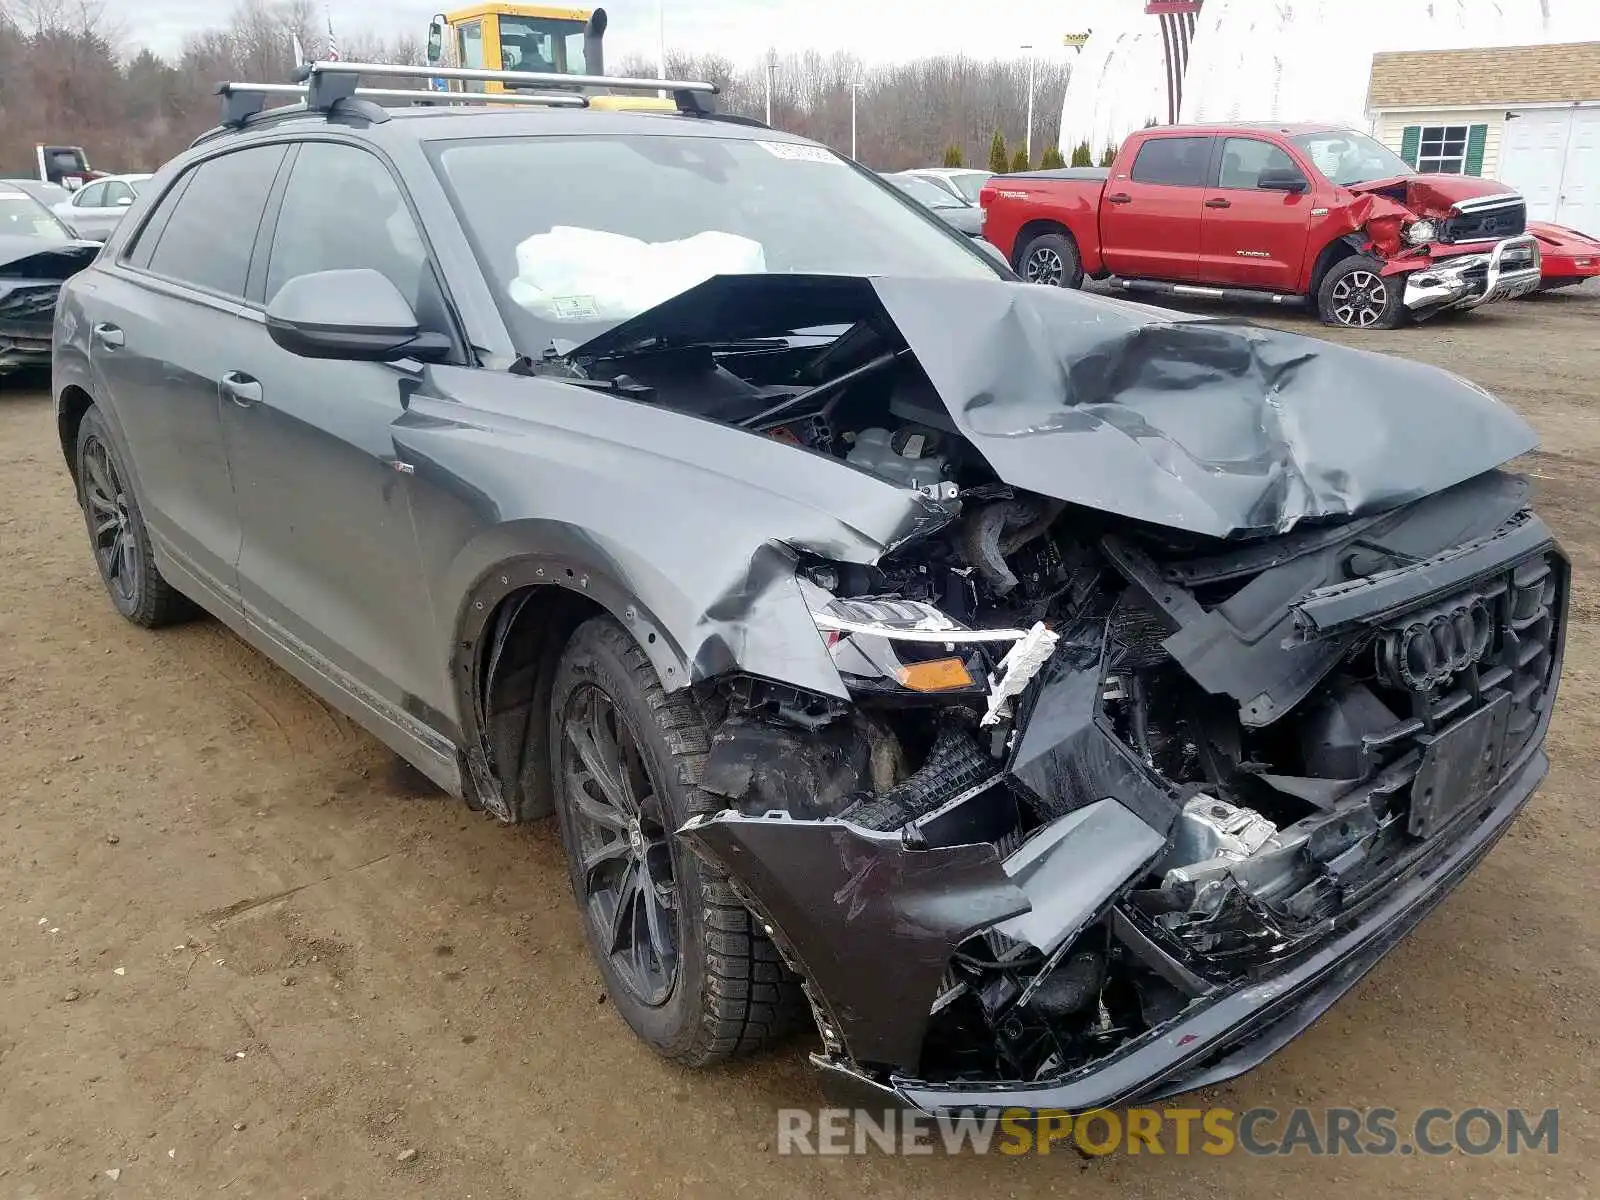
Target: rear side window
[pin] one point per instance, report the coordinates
(1175, 161)
(211, 229)
(92, 196)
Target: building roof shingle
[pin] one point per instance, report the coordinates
(1491, 75)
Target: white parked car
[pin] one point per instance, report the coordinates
(96, 207)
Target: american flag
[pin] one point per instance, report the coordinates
(1178, 19)
(333, 42)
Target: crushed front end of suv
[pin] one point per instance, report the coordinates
(1063, 700)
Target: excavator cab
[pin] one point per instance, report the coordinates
(528, 37)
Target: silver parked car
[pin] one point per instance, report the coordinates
(953, 211)
(95, 208)
(964, 183)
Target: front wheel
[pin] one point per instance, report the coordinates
(682, 959)
(1354, 295)
(1051, 259)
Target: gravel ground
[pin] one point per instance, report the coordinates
(242, 948)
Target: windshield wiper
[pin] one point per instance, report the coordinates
(656, 342)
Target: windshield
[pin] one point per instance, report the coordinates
(23, 216)
(541, 44)
(970, 184)
(577, 234)
(924, 192)
(1347, 157)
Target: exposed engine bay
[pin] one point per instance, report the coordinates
(1132, 766)
(31, 274)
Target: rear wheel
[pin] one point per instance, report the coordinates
(682, 959)
(1051, 259)
(1355, 295)
(117, 533)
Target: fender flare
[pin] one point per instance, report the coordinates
(491, 587)
(474, 653)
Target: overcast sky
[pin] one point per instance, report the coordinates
(877, 30)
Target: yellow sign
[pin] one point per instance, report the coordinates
(1075, 39)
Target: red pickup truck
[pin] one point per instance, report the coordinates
(1286, 213)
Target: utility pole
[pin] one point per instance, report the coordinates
(855, 88)
(1028, 139)
(772, 62)
(661, 41)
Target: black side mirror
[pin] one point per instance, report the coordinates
(1282, 180)
(357, 315)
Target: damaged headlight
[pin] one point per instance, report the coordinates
(893, 645)
(1420, 232)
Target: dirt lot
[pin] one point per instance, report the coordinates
(241, 949)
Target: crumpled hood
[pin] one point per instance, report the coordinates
(1431, 195)
(35, 258)
(1214, 427)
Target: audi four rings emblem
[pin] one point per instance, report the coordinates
(1428, 651)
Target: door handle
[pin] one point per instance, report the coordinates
(1219, 202)
(240, 388)
(1119, 198)
(109, 336)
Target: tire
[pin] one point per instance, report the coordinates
(1353, 295)
(117, 534)
(1051, 259)
(725, 991)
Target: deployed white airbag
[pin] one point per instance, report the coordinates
(572, 274)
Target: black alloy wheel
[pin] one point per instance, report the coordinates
(111, 533)
(117, 533)
(629, 886)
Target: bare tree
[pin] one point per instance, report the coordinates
(62, 79)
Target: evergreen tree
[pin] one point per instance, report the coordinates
(997, 153)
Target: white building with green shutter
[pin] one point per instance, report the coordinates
(1526, 115)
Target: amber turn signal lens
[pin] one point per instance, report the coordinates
(940, 675)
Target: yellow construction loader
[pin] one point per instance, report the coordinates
(528, 37)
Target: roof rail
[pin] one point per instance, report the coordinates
(330, 81)
(241, 101)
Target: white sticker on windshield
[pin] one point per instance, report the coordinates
(797, 152)
(575, 308)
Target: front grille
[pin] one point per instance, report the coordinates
(1512, 618)
(1489, 224)
(24, 302)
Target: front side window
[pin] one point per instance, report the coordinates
(208, 238)
(1245, 160)
(315, 229)
(1345, 157)
(116, 193)
(469, 45)
(638, 219)
(1173, 161)
(1442, 150)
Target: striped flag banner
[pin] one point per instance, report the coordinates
(1178, 20)
(333, 42)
